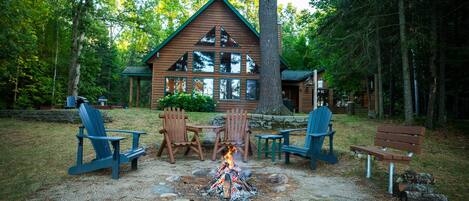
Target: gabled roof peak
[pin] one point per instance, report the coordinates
(193, 17)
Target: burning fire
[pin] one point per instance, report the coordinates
(228, 181)
(229, 157)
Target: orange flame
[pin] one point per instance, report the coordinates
(229, 157)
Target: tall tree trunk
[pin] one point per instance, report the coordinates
(442, 116)
(391, 84)
(78, 35)
(380, 75)
(430, 120)
(270, 100)
(55, 60)
(408, 107)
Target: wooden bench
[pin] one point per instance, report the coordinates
(405, 141)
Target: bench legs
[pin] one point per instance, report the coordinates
(391, 172)
(368, 166)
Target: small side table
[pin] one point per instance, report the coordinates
(274, 150)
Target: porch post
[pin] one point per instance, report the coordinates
(138, 93)
(131, 90)
(315, 92)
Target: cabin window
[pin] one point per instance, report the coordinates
(203, 61)
(230, 89)
(251, 66)
(226, 40)
(203, 86)
(230, 62)
(180, 65)
(174, 85)
(208, 39)
(252, 90)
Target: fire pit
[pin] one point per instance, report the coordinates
(229, 181)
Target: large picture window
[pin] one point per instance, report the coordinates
(175, 85)
(208, 39)
(230, 62)
(230, 89)
(203, 61)
(251, 66)
(203, 86)
(180, 65)
(252, 90)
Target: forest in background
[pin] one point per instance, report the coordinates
(352, 40)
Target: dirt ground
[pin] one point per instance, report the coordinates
(146, 182)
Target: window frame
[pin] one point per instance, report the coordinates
(240, 63)
(187, 63)
(247, 67)
(213, 85)
(173, 77)
(219, 89)
(229, 36)
(214, 43)
(214, 61)
(257, 90)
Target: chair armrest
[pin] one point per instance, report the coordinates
(286, 135)
(219, 130)
(321, 134)
(194, 129)
(135, 136)
(126, 131)
(293, 130)
(112, 139)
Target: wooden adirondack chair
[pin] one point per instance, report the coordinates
(319, 127)
(105, 158)
(235, 133)
(175, 134)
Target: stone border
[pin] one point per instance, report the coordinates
(269, 122)
(62, 116)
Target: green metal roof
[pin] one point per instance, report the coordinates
(175, 33)
(298, 75)
(295, 75)
(139, 71)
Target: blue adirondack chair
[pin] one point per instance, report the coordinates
(105, 158)
(319, 127)
(71, 102)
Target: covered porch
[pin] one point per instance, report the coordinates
(136, 74)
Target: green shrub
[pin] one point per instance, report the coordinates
(191, 103)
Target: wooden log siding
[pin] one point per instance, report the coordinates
(216, 15)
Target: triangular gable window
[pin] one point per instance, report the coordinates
(226, 40)
(180, 65)
(208, 39)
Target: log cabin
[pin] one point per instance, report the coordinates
(215, 52)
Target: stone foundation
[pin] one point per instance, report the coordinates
(269, 122)
(63, 116)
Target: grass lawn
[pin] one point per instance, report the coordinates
(36, 155)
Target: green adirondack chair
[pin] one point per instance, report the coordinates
(105, 158)
(319, 127)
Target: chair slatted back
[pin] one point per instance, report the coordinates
(318, 122)
(236, 125)
(405, 138)
(175, 124)
(92, 120)
(71, 102)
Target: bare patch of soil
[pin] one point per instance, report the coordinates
(142, 184)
